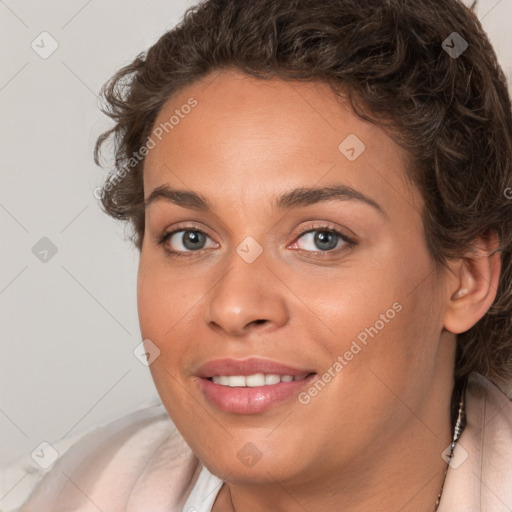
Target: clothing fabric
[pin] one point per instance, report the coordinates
(141, 463)
(204, 491)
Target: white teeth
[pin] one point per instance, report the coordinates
(255, 380)
(272, 378)
(236, 381)
(258, 379)
(221, 380)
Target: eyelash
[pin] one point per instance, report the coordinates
(323, 228)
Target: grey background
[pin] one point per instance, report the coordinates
(69, 325)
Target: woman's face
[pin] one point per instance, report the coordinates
(298, 250)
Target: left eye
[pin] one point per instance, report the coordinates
(321, 240)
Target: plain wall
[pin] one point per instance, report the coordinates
(69, 325)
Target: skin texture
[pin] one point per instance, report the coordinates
(372, 438)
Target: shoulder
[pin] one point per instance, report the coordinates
(136, 462)
(480, 474)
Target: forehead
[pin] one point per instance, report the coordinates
(245, 133)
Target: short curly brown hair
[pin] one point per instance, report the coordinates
(404, 69)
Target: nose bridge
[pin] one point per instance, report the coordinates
(246, 294)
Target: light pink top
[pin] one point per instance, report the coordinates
(141, 463)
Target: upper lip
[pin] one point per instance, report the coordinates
(248, 367)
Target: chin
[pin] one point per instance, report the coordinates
(244, 467)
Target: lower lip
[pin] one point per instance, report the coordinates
(248, 400)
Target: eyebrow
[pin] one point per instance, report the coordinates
(296, 198)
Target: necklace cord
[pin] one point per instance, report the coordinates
(458, 417)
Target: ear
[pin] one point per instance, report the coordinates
(472, 284)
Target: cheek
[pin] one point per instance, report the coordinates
(150, 302)
(160, 307)
(387, 346)
(162, 299)
(343, 304)
(169, 308)
(383, 315)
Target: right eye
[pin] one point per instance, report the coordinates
(180, 242)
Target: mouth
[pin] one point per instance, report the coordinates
(251, 386)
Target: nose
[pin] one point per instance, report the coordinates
(248, 297)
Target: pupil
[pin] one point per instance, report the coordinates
(193, 240)
(325, 240)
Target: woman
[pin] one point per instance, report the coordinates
(320, 193)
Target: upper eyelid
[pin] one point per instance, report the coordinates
(301, 232)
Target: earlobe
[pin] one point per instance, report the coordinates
(473, 285)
